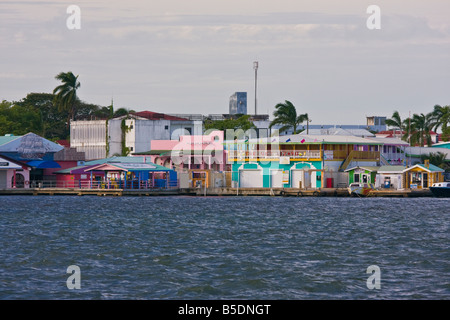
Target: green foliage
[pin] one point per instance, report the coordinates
(438, 159)
(66, 94)
(286, 115)
(125, 129)
(240, 122)
(18, 119)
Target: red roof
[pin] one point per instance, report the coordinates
(157, 116)
(64, 143)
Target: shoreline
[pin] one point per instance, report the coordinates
(242, 192)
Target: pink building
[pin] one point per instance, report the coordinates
(13, 174)
(203, 152)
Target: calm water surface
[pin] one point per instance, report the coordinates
(223, 248)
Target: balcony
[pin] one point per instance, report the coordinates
(237, 155)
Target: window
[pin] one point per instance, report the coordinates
(356, 177)
(166, 127)
(416, 177)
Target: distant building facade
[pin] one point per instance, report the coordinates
(238, 103)
(131, 133)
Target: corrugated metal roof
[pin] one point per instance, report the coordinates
(6, 139)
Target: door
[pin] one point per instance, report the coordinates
(297, 179)
(365, 178)
(250, 179)
(276, 178)
(424, 180)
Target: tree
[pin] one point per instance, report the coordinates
(53, 126)
(438, 159)
(396, 123)
(441, 117)
(122, 112)
(421, 126)
(18, 119)
(286, 115)
(241, 122)
(66, 94)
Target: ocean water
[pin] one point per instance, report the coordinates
(223, 247)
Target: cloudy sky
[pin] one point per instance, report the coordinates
(179, 56)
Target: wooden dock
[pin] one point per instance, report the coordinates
(294, 192)
(283, 192)
(90, 192)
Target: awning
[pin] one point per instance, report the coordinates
(44, 164)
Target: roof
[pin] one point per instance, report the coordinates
(125, 163)
(8, 138)
(29, 146)
(314, 139)
(64, 143)
(418, 151)
(43, 164)
(391, 169)
(443, 143)
(389, 141)
(339, 132)
(368, 168)
(431, 168)
(150, 115)
(7, 164)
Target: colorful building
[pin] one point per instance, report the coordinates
(297, 161)
(390, 177)
(13, 174)
(118, 173)
(362, 174)
(423, 176)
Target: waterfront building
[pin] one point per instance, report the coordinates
(128, 134)
(390, 177)
(422, 176)
(117, 173)
(298, 161)
(13, 174)
(362, 174)
(36, 152)
(199, 160)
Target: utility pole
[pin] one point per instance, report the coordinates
(255, 66)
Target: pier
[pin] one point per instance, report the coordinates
(280, 192)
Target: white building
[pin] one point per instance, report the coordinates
(128, 134)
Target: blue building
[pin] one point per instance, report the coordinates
(238, 103)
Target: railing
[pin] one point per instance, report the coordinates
(360, 155)
(109, 184)
(262, 154)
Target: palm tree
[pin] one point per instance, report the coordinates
(66, 94)
(421, 126)
(441, 116)
(438, 159)
(396, 123)
(286, 115)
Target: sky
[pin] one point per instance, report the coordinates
(178, 56)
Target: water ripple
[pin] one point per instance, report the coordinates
(223, 248)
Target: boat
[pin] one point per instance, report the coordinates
(360, 189)
(441, 189)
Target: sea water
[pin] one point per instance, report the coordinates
(223, 247)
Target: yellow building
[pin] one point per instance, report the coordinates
(423, 176)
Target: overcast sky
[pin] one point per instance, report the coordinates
(179, 56)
